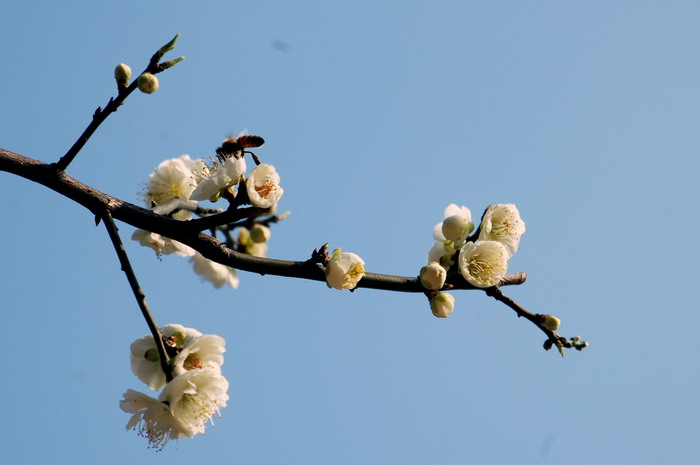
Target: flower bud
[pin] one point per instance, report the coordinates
(550, 322)
(433, 276)
(455, 226)
(147, 83)
(260, 233)
(442, 304)
(243, 236)
(122, 73)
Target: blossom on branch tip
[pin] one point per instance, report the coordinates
(502, 223)
(216, 273)
(432, 276)
(344, 270)
(442, 304)
(483, 264)
(218, 177)
(263, 186)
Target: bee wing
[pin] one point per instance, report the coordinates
(247, 141)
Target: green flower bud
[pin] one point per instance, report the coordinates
(260, 233)
(122, 73)
(147, 83)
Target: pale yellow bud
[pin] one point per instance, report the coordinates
(433, 276)
(551, 322)
(147, 83)
(442, 304)
(122, 73)
(260, 233)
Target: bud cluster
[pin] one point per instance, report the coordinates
(481, 259)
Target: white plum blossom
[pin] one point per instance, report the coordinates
(182, 409)
(442, 304)
(161, 244)
(217, 177)
(195, 397)
(263, 186)
(152, 418)
(432, 276)
(502, 223)
(145, 361)
(216, 273)
(344, 270)
(483, 263)
(173, 178)
(204, 351)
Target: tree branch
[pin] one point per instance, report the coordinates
(183, 231)
(138, 293)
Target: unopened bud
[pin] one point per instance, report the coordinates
(243, 236)
(442, 304)
(433, 276)
(122, 73)
(147, 83)
(259, 233)
(455, 226)
(547, 344)
(551, 322)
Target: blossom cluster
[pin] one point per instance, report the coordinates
(195, 394)
(481, 258)
(178, 185)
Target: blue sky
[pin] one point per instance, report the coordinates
(377, 115)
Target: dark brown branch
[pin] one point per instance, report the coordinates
(138, 292)
(536, 319)
(98, 202)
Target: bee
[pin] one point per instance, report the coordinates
(236, 147)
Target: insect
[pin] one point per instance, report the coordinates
(236, 147)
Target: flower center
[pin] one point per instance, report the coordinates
(192, 362)
(266, 189)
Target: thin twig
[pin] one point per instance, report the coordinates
(101, 114)
(113, 232)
